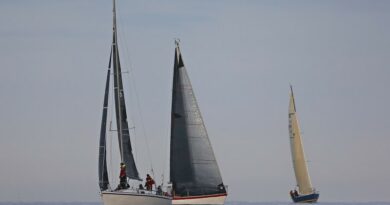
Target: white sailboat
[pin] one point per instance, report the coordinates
(124, 194)
(305, 192)
(194, 172)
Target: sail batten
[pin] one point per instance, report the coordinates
(297, 152)
(193, 168)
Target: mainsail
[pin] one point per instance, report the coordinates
(121, 118)
(120, 109)
(193, 167)
(297, 153)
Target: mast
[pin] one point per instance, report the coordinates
(120, 108)
(297, 152)
(193, 168)
(116, 61)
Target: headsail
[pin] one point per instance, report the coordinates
(193, 167)
(120, 109)
(297, 153)
(103, 174)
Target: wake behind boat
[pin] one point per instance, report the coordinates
(306, 193)
(194, 171)
(123, 194)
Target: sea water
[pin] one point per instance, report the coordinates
(227, 203)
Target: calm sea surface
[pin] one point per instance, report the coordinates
(227, 203)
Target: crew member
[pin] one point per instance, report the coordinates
(123, 177)
(149, 182)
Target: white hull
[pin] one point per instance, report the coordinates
(218, 199)
(133, 198)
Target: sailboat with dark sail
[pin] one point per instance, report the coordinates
(124, 194)
(306, 192)
(194, 172)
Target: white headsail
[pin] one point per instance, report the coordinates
(297, 153)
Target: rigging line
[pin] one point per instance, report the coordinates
(137, 100)
(143, 126)
(167, 156)
(126, 54)
(166, 169)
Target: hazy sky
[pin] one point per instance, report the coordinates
(241, 57)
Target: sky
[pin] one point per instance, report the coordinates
(241, 57)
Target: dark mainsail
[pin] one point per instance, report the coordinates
(193, 168)
(103, 175)
(120, 110)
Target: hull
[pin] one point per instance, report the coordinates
(205, 199)
(133, 198)
(310, 198)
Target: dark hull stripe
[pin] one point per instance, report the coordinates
(198, 197)
(135, 194)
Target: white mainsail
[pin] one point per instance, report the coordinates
(297, 153)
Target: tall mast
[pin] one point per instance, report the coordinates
(127, 156)
(116, 66)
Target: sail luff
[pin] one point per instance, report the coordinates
(193, 169)
(297, 152)
(103, 174)
(120, 109)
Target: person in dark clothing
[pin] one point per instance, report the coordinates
(221, 188)
(140, 187)
(296, 193)
(292, 193)
(159, 190)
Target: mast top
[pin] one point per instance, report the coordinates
(292, 96)
(114, 17)
(177, 42)
(291, 89)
